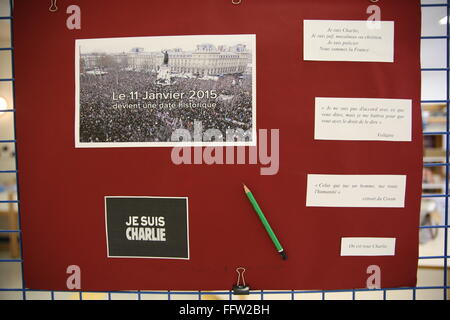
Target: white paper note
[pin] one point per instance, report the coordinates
(368, 246)
(363, 119)
(348, 40)
(376, 191)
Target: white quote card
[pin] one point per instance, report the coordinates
(348, 40)
(363, 119)
(375, 191)
(368, 246)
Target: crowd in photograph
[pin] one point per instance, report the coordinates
(224, 103)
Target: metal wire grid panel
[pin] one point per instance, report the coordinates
(23, 293)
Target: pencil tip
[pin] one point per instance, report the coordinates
(246, 189)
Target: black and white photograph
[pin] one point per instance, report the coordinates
(172, 91)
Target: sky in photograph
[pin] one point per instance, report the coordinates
(186, 43)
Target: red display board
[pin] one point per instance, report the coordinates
(63, 188)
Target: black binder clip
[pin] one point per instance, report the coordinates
(241, 289)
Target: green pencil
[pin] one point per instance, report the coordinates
(265, 223)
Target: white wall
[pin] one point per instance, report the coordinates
(6, 119)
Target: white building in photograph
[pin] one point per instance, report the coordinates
(207, 59)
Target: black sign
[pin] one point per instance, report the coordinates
(149, 227)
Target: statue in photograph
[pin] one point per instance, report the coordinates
(166, 58)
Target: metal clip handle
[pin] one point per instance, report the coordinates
(240, 271)
(53, 6)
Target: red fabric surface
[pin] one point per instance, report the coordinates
(62, 188)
